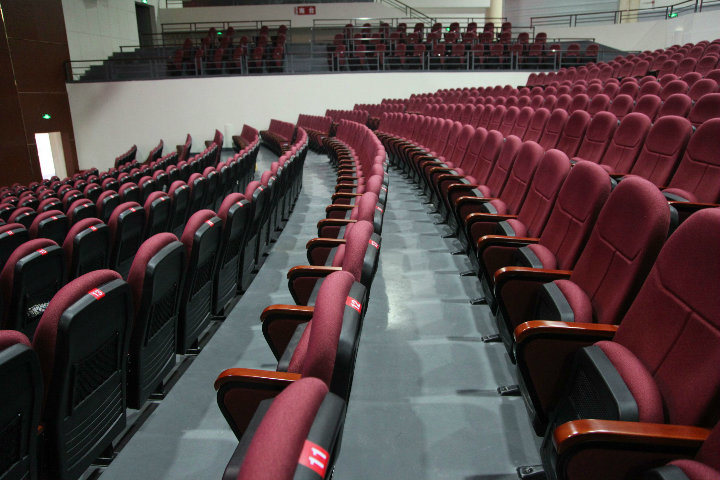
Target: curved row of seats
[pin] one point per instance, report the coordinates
(317, 127)
(315, 342)
(605, 264)
(279, 136)
(173, 287)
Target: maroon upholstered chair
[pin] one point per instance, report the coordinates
(599, 103)
(158, 209)
(572, 217)
(179, 194)
(51, 203)
(82, 344)
(129, 192)
(155, 281)
(126, 234)
(697, 178)
(648, 105)
(706, 108)
(357, 253)
(573, 132)
(198, 192)
(339, 216)
(21, 397)
(23, 215)
(235, 213)
(106, 204)
(677, 104)
(620, 251)
(12, 235)
(52, 224)
(676, 86)
(626, 143)
(621, 106)
(31, 276)
(201, 239)
(553, 129)
(597, 137)
(314, 342)
(702, 87)
(649, 379)
(80, 210)
(275, 446)
(536, 127)
(86, 247)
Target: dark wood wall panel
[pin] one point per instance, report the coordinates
(33, 52)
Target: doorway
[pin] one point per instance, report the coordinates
(51, 154)
(145, 15)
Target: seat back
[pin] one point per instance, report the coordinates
(106, 204)
(630, 230)
(648, 105)
(155, 281)
(597, 137)
(677, 104)
(82, 344)
(198, 191)
(158, 208)
(21, 398)
(697, 177)
(555, 124)
(663, 147)
(672, 323)
(236, 214)
(626, 143)
(52, 224)
(504, 164)
(33, 273)
(519, 178)
(578, 203)
(12, 235)
(127, 223)
(708, 107)
(179, 194)
(360, 253)
(573, 133)
(86, 247)
(201, 239)
(621, 106)
(536, 126)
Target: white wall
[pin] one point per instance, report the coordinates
(109, 117)
(97, 28)
(647, 35)
(276, 12)
(519, 11)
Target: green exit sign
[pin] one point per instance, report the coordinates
(672, 15)
(46, 116)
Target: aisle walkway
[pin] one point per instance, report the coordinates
(423, 404)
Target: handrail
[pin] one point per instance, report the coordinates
(409, 11)
(624, 16)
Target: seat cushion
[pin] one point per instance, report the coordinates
(577, 299)
(546, 257)
(696, 470)
(682, 194)
(518, 226)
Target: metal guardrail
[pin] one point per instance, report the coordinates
(626, 16)
(317, 60)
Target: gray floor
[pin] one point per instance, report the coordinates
(423, 403)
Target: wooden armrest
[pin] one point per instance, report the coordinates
(448, 176)
(318, 249)
(303, 279)
(486, 217)
(457, 187)
(338, 195)
(526, 273)
(279, 323)
(240, 391)
(335, 207)
(324, 242)
(256, 377)
(343, 178)
(472, 200)
(317, 271)
(334, 222)
(503, 241)
(546, 328)
(434, 170)
(572, 434)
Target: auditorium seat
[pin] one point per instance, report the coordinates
(274, 446)
(82, 344)
(157, 214)
(12, 235)
(52, 224)
(179, 194)
(127, 223)
(129, 192)
(21, 398)
(573, 133)
(697, 178)
(258, 197)
(536, 127)
(629, 232)
(702, 87)
(201, 239)
(357, 253)
(706, 108)
(50, 203)
(106, 204)
(626, 143)
(155, 281)
(317, 342)
(705, 465)
(572, 217)
(638, 373)
(198, 192)
(86, 247)
(648, 105)
(23, 215)
(662, 149)
(621, 106)
(235, 213)
(597, 137)
(147, 186)
(33, 273)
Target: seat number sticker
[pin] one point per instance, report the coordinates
(97, 293)
(373, 243)
(354, 304)
(314, 457)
